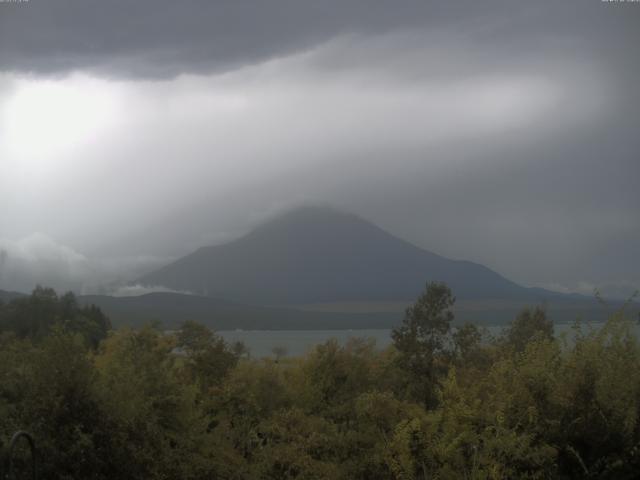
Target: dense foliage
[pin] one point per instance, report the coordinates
(34, 317)
(442, 402)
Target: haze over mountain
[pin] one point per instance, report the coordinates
(321, 255)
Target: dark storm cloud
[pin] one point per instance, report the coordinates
(155, 38)
(165, 38)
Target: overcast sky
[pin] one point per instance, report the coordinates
(507, 133)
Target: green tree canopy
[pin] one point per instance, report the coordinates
(36, 315)
(423, 340)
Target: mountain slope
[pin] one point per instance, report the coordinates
(315, 255)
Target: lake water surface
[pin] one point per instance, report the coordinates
(298, 342)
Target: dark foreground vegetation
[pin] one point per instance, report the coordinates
(442, 402)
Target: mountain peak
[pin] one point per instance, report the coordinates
(315, 254)
(311, 216)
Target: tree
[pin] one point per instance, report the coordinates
(466, 340)
(32, 316)
(423, 340)
(47, 388)
(155, 428)
(279, 351)
(528, 326)
(208, 357)
(35, 316)
(335, 375)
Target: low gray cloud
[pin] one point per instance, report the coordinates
(40, 260)
(165, 38)
(135, 290)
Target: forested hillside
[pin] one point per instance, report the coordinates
(442, 402)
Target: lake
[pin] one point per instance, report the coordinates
(299, 342)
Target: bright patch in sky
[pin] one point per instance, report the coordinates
(45, 120)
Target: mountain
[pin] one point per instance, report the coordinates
(320, 255)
